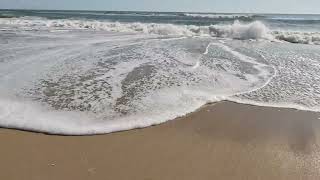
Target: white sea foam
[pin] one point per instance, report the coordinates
(254, 30)
(298, 37)
(28, 115)
(237, 30)
(76, 77)
(100, 86)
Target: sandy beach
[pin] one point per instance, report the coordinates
(221, 141)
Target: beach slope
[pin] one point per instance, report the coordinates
(220, 141)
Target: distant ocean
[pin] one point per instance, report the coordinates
(92, 72)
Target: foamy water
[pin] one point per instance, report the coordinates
(236, 30)
(92, 76)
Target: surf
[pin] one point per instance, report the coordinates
(93, 76)
(255, 30)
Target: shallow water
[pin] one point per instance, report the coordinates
(84, 76)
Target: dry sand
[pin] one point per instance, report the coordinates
(222, 141)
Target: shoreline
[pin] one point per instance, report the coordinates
(225, 140)
(210, 104)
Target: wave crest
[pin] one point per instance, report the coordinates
(254, 30)
(298, 37)
(237, 30)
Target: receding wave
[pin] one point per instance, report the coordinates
(68, 76)
(117, 82)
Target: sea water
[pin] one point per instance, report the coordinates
(92, 72)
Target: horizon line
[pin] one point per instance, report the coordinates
(204, 12)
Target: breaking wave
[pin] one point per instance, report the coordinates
(298, 37)
(237, 30)
(74, 77)
(254, 30)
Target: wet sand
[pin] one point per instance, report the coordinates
(222, 141)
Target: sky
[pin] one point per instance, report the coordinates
(240, 6)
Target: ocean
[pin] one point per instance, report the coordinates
(94, 72)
